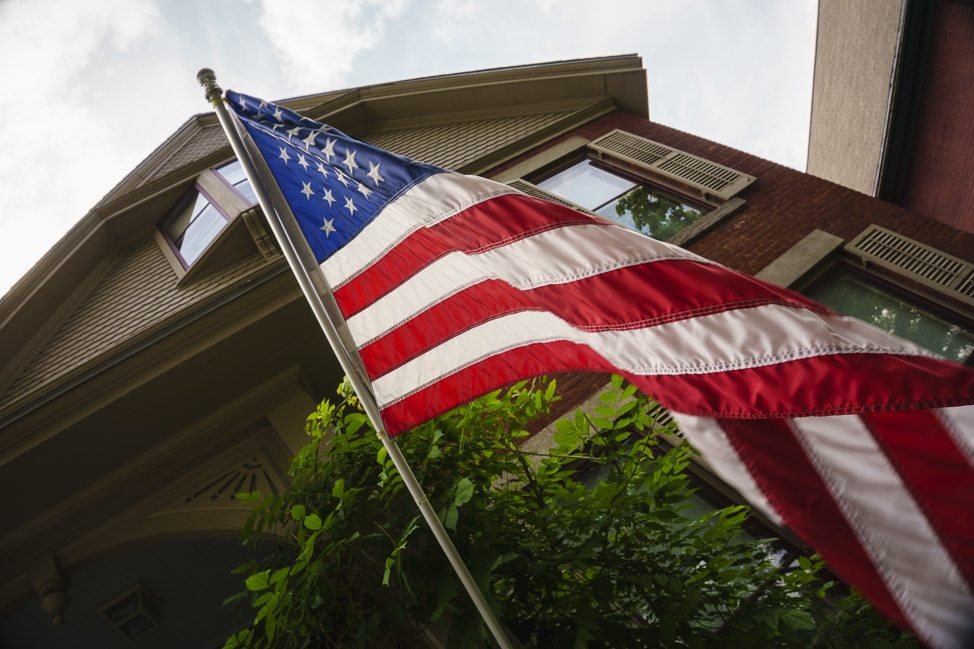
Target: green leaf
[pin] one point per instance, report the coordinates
(312, 522)
(258, 581)
(452, 515)
(463, 492)
(297, 512)
(338, 489)
(549, 393)
(616, 381)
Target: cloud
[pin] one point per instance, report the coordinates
(49, 163)
(318, 48)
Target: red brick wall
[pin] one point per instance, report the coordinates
(784, 205)
(940, 182)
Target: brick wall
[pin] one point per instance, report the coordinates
(940, 184)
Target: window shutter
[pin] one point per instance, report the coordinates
(531, 189)
(709, 178)
(919, 262)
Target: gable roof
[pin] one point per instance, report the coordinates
(52, 321)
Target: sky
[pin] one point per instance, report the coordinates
(90, 88)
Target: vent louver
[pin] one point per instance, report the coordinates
(920, 262)
(709, 178)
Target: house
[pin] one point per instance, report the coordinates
(160, 357)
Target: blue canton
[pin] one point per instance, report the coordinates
(334, 184)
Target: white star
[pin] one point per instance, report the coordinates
(293, 132)
(284, 156)
(277, 114)
(302, 161)
(342, 178)
(365, 191)
(310, 140)
(243, 104)
(261, 107)
(349, 161)
(321, 168)
(374, 173)
(307, 190)
(329, 150)
(328, 227)
(350, 206)
(328, 197)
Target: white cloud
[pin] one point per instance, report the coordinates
(49, 162)
(318, 44)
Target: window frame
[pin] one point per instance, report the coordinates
(704, 206)
(560, 157)
(896, 288)
(820, 255)
(225, 198)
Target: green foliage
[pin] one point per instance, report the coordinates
(594, 543)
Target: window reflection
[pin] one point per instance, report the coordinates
(234, 174)
(643, 208)
(853, 295)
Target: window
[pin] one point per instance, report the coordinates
(648, 186)
(854, 294)
(637, 205)
(198, 218)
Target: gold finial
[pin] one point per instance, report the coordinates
(207, 79)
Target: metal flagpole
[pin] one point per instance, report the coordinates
(286, 232)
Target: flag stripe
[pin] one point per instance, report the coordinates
(730, 340)
(857, 381)
(959, 422)
(435, 198)
(793, 486)
(891, 527)
(550, 257)
(653, 296)
(937, 474)
(488, 224)
(706, 435)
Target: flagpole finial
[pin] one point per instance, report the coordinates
(207, 79)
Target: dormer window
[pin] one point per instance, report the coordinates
(205, 210)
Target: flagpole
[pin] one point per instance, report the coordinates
(287, 233)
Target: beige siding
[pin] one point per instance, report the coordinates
(854, 60)
(138, 293)
(207, 141)
(457, 144)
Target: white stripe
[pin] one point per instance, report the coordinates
(706, 435)
(730, 340)
(551, 257)
(890, 526)
(959, 422)
(430, 201)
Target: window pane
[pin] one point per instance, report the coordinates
(199, 234)
(246, 190)
(175, 225)
(849, 294)
(587, 185)
(652, 212)
(233, 172)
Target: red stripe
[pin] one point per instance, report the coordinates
(797, 492)
(938, 475)
(626, 298)
(492, 223)
(824, 385)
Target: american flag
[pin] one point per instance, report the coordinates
(452, 286)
